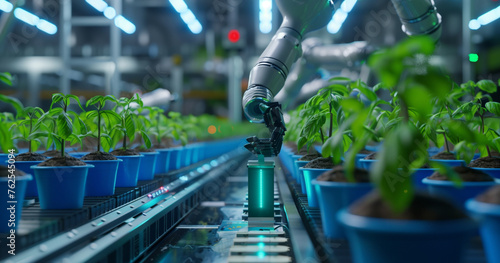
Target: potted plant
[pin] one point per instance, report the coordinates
(487, 208)
(128, 170)
(6, 120)
(13, 184)
(61, 180)
(31, 133)
(394, 224)
(102, 178)
(178, 154)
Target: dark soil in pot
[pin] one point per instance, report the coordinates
(53, 153)
(486, 162)
(371, 156)
(422, 207)
(99, 156)
(320, 163)
(491, 196)
(4, 172)
(63, 161)
(31, 157)
(124, 152)
(310, 156)
(305, 151)
(161, 146)
(444, 156)
(143, 149)
(466, 174)
(337, 174)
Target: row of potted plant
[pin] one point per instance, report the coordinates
(425, 108)
(111, 127)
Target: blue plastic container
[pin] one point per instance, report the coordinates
(147, 167)
(25, 166)
(377, 240)
(493, 172)
(447, 189)
(187, 155)
(450, 163)
(101, 179)
(61, 187)
(366, 164)
(174, 161)
(360, 156)
(418, 175)
(295, 170)
(489, 216)
(4, 157)
(162, 161)
(332, 197)
(318, 148)
(20, 188)
(300, 175)
(128, 170)
(309, 175)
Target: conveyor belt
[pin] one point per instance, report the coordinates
(118, 228)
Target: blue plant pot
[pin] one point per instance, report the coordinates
(101, 179)
(162, 161)
(286, 159)
(147, 167)
(434, 150)
(418, 175)
(447, 189)
(493, 172)
(174, 161)
(450, 163)
(61, 187)
(186, 156)
(295, 170)
(366, 164)
(25, 166)
(360, 156)
(300, 175)
(332, 197)
(4, 157)
(20, 188)
(378, 240)
(373, 148)
(128, 170)
(489, 216)
(309, 175)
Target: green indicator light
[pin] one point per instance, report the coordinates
(261, 254)
(473, 57)
(261, 245)
(261, 191)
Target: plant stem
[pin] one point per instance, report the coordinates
(482, 131)
(62, 147)
(98, 130)
(322, 136)
(446, 143)
(31, 130)
(331, 120)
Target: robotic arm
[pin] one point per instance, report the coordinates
(271, 71)
(419, 17)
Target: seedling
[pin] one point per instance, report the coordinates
(67, 129)
(103, 117)
(28, 130)
(127, 126)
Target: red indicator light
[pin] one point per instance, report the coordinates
(233, 35)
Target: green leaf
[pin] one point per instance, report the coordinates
(352, 105)
(487, 86)
(94, 100)
(380, 86)
(64, 126)
(6, 78)
(57, 97)
(18, 106)
(302, 141)
(130, 127)
(341, 79)
(419, 99)
(75, 98)
(493, 107)
(106, 142)
(146, 139)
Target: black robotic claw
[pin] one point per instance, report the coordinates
(273, 118)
